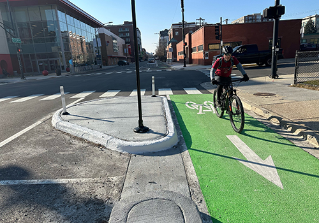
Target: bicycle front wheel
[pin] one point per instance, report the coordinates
(218, 109)
(236, 114)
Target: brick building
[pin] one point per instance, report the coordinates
(125, 31)
(203, 46)
(175, 34)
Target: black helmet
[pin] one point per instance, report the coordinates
(227, 49)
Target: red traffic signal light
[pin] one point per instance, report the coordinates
(19, 50)
(185, 44)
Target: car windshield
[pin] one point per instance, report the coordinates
(236, 48)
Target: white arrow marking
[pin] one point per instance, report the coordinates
(265, 168)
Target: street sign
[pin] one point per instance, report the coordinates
(16, 40)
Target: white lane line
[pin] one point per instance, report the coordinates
(83, 94)
(110, 93)
(192, 91)
(165, 91)
(27, 98)
(7, 98)
(23, 131)
(134, 92)
(55, 181)
(52, 97)
(109, 73)
(32, 126)
(129, 72)
(119, 72)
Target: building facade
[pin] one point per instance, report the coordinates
(203, 45)
(175, 35)
(54, 34)
(125, 31)
(256, 17)
(313, 38)
(113, 48)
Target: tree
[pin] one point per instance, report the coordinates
(161, 50)
(310, 27)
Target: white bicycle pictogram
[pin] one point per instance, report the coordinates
(207, 106)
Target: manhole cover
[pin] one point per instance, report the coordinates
(264, 94)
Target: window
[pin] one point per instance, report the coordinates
(176, 33)
(194, 49)
(34, 13)
(115, 48)
(213, 46)
(200, 48)
(180, 53)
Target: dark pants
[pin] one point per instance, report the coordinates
(222, 81)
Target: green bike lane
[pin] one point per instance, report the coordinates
(255, 176)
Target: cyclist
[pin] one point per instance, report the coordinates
(221, 74)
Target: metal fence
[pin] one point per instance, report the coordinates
(306, 66)
(86, 68)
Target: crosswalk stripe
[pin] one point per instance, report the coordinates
(129, 72)
(52, 97)
(165, 91)
(109, 73)
(192, 91)
(134, 92)
(110, 93)
(7, 98)
(27, 98)
(83, 94)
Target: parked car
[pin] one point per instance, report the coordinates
(123, 62)
(151, 60)
(251, 54)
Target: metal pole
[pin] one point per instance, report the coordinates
(221, 33)
(153, 87)
(63, 101)
(183, 32)
(274, 44)
(15, 34)
(141, 128)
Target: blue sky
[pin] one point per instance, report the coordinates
(152, 16)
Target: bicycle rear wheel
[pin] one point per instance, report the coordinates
(219, 110)
(236, 114)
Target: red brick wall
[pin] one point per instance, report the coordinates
(197, 40)
(249, 33)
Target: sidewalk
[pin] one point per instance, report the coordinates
(157, 185)
(51, 75)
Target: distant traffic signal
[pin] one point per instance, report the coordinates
(19, 50)
(217, 32)
(185, 44)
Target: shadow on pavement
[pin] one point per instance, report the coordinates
(47, 202)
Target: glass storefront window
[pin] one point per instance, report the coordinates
(47, 13)
(37, 29)
(61, 16)
(34, 13)
(21, 14)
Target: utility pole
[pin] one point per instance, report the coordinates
(200, 21)
(183, 32)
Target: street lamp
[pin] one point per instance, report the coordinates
(141, 128)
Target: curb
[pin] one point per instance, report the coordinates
(122, 209)
(113, 143)
(307, 134)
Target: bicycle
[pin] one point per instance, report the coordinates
(231, 103)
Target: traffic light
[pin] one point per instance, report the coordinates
(217, 32)
(274, 12)
(185, 44)
(19, 50)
